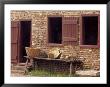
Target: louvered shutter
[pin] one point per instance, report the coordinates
(14, 41)
(70, 30)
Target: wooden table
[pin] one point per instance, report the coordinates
(33, 62)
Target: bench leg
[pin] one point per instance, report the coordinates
(71, 65)
(26, 66)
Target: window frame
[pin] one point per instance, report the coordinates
(48, 43)
(81, 31)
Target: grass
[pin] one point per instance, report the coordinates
(44, 73)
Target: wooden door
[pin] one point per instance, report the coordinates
(14, 41)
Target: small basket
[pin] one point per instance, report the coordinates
(32, 52)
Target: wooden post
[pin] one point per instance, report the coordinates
(71, 65)
(35, 63)
(26, 66)
(32, 63)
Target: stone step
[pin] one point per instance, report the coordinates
(90, 73)
(17, 75)
(24, 64)
(18, 67)
(21, 64)
(17, 71)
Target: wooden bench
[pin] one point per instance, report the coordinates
(72, 63)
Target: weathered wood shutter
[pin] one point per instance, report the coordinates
(98, 30)
(14, 41)
(70, 30)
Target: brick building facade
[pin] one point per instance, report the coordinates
(39, 36)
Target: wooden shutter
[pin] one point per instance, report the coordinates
(14, 41)
(70, 30)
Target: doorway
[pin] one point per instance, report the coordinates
(25, 39)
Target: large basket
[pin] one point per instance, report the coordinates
(32, 52)
(54, 53)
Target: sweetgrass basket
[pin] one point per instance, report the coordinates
(32, 52)
(54, 53)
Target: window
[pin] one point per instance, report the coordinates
(90, 31)
(55, 30)
(63, 30)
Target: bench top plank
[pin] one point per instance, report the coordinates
(65, 60)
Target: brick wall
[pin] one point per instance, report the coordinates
(91, 56)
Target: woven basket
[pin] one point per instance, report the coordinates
(32, 52)
(54, 53)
